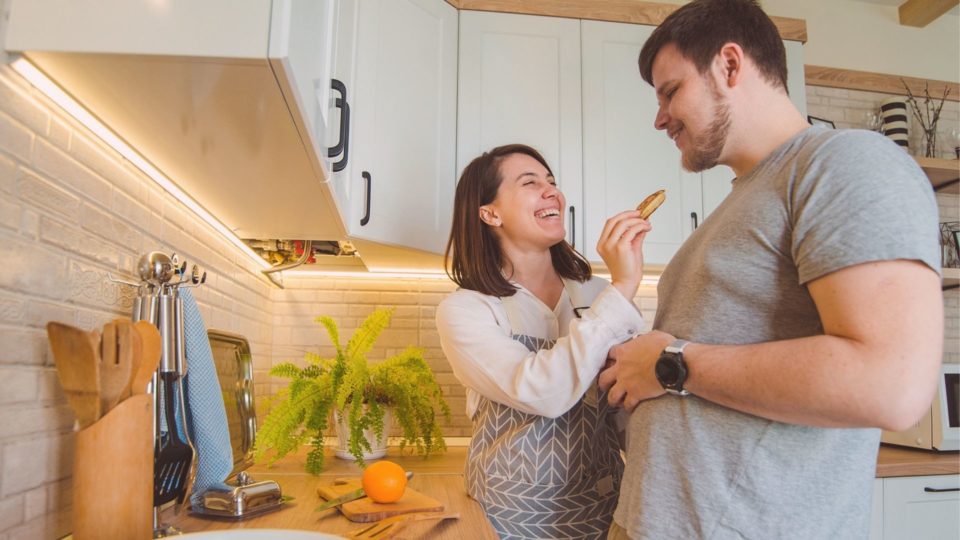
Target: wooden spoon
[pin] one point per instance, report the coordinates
(149, 357)
(116, 362)
(78, 370)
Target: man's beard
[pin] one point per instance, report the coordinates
(705, 149)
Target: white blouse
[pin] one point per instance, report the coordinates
(475, 334)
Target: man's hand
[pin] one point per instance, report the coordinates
(629, 377)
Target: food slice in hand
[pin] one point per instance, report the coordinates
(649, 205)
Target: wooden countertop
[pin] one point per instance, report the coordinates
(440, 477)
(901, 461)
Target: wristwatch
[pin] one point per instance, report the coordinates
(671, 370)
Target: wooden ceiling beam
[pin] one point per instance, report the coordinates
(920, 13)
(628, 11)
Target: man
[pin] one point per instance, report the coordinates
(810, 299)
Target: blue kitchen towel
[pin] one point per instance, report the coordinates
(207, 414)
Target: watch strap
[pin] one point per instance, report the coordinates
(676, 346)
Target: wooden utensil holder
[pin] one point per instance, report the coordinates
(113, 474)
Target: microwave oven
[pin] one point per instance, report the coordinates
(939, 429)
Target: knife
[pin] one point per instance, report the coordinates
(347, 497)
(337, 501)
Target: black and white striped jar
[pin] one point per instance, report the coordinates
(896, 121)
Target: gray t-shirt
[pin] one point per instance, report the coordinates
(825, 200)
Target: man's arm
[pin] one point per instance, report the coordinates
(875, 365)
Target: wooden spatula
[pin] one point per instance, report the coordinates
(117, 344)
(391, 526)
(149, 356)
(78, 370)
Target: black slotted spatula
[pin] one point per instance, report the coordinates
(173, 457)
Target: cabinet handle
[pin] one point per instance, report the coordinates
(369, 187)
(940, 490)
(573, 227)
(343, 145)
(693, 217)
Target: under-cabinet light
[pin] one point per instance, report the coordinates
(646, 281)
(50, 89)
(393, 274)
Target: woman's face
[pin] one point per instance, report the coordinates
(528, 210)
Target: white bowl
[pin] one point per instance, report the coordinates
(261, 534)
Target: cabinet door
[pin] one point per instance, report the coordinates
(876, 510)
(624, 157)
(520, 83)
(404, 123)
(301, 51)
(339, 163)
(921, 507)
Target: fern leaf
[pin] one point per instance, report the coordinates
(366, 336)
(331, 326)
(286, 370)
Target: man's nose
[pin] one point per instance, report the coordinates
(661, 120)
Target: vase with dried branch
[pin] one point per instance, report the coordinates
(927, 116)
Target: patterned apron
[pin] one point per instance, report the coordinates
(539, 477)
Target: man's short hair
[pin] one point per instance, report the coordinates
(699, 29)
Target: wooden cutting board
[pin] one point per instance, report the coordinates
(364, 510)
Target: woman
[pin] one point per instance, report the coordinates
(544, 459)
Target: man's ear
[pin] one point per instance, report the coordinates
(730, 61)
(489, 216)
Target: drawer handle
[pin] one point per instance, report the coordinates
(369, 182)
(940, 490)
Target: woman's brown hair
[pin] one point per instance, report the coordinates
(473, 258)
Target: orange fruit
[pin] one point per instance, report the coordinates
(384, 481)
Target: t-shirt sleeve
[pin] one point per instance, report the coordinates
(861, 198)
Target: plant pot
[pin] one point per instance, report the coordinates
(379, 448)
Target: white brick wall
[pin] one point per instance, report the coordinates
(72, 210)
(848, 109)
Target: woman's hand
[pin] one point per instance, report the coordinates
(621, 247)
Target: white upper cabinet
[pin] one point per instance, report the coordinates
(301, 53)
(228, 98)
(398, 62)
(624, 157)
(520, 83)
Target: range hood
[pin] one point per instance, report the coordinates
(206, 91)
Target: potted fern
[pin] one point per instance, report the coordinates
(357, 392)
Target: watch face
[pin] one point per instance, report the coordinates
(668, 371)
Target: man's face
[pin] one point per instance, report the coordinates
(692, 111)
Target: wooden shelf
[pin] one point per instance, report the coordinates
(943, 173)
(628, 11)
(875, 82)
(951, 278)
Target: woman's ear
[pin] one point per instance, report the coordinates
(490, 217)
